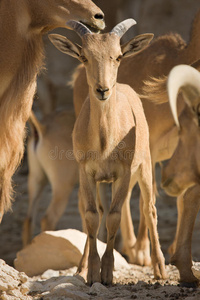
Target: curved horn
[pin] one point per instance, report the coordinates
(122, 27)
(80, 28)
(181, 75)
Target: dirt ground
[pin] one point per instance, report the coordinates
(136, 279)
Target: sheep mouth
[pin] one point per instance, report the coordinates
(92, 28)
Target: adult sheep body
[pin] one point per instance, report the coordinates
(22, 24)
(180, 174)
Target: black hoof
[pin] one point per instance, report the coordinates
(193, 284)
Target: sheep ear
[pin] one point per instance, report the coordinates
(65, 45)
(137, 44)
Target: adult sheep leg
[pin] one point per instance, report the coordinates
(180, 205)
(61, 191)
(150, 213)
(182, 258)
(36, 182)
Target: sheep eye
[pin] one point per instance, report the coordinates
(84, 59)
(119, 58)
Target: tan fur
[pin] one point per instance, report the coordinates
(180, 177)
(181, 256)
(111, 134)
(22, 24)
(50, 158)
(155, 89)
(155, 61)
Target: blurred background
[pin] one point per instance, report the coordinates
(156, 16)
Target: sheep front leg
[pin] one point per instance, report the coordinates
(150, 213)
(119, 193)
(180, 200)
(88, 194)
(83, 265)
(182, 257)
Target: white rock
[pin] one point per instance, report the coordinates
(24, 289)
(50, 273)
(196, 269)
(23, 277)
(57, 250)
(12, 283)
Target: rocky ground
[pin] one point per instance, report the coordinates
(133, 282)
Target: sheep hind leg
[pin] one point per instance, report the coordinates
(82, 269)
(142, 246)
(103, 209)
(137, 250)
(127, 230)
(150, 213)
(172, 247)
(36, 182)
(57, 206)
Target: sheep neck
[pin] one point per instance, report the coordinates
(103, 119)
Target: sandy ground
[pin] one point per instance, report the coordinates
(135, 283)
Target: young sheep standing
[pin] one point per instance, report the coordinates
(111, 143)
(157, 60)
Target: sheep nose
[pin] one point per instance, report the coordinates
(102, 91)
(99, 16)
